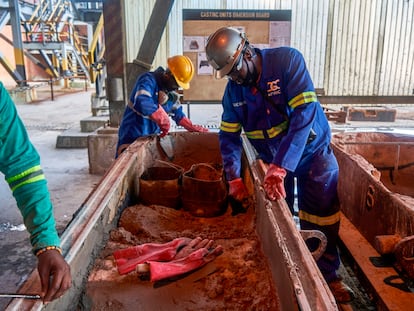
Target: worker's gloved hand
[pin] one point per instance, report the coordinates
(189, 126)
(237, 189)
(274, 182)
(162, 119)
(54, 274)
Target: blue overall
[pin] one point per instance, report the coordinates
(289, 129)
(144, 97)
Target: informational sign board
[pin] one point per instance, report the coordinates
(264, 29)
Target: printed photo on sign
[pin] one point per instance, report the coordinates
(193, 44)
(203, 67)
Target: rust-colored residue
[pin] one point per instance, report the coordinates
(241, 279)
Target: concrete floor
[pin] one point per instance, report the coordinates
(69, 181)
(67, 171)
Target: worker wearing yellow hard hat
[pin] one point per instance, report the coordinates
(182, 69)
(154, 100)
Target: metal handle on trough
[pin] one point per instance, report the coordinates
(323, 241)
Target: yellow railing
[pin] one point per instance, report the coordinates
(43, 6)
(92, 50)
(46, 26)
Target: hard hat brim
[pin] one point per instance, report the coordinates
(223, 72)
(183, 85)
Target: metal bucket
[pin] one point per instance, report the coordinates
(160, 186)
(204, 192)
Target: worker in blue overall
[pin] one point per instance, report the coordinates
(20, 164)
(153, 100)
(271, 97)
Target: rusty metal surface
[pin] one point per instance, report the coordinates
(320, 236)
(381, 163)
(299, 283)
(294, 269)
(404, 253)
(383, 281)
(204, 192)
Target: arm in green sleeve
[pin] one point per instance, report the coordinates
(20, 163)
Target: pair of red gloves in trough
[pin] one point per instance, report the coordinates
(168, 260)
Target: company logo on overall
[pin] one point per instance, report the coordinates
(273, 88)
(239, 104)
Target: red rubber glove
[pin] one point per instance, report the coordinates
(162, 119)
(164, 270)
(128, 258)
(274, 182)
(237, 189)
(189, 126)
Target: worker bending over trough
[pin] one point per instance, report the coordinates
(153, 100)
(270, 95)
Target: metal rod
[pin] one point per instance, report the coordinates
(26, 296)
(397, 162)
(51, 89)
(380, 143)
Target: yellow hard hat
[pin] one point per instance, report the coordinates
(182, 69)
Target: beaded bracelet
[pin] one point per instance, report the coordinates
(48, 248)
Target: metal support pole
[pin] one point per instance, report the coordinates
(115, 59)
(150, 42)
(119, 73)
(51, 89)
(17, 41)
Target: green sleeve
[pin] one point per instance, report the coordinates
(20, 163)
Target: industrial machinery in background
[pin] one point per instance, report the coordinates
(61, 41)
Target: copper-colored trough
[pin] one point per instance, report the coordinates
(295, 280)
(376, 188)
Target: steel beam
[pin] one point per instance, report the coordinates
(121, 75)
(17, 40)
(150, 42)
